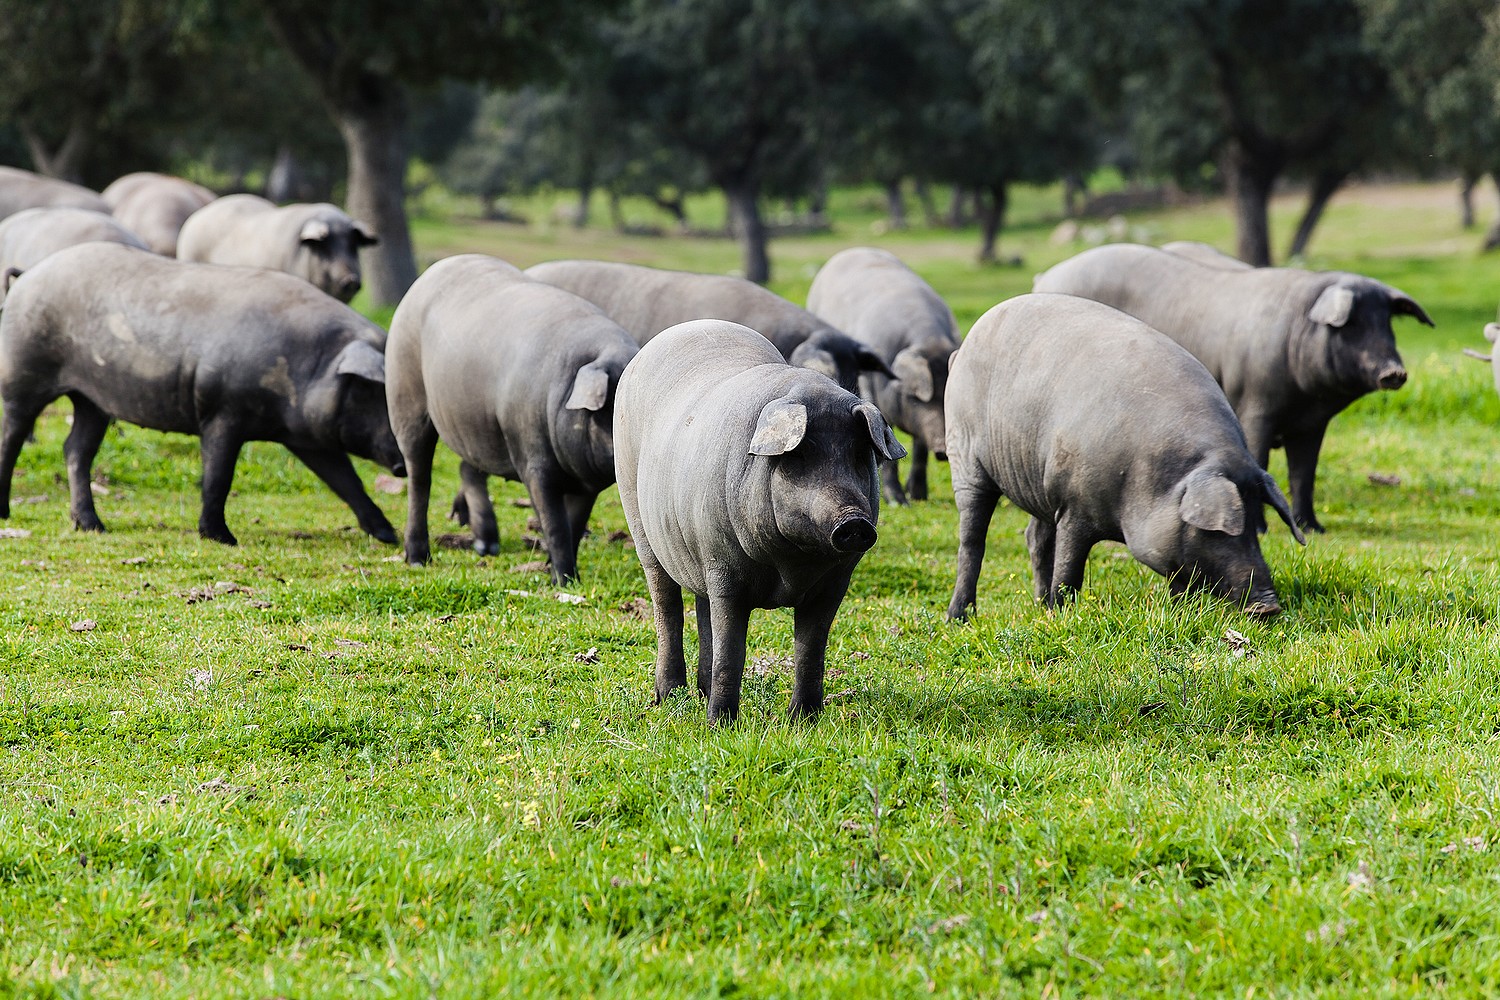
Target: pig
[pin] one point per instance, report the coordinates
(647, 300)
(317, 243)
(1290, 348)
(751, 483)
(156, 206)
(518, 378)
(880, 302)
(30, 235)
(1205, 253)
(22, 189)
(1058, 403)
(226, 353)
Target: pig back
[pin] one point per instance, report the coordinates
(875, 298)
(27, 237)
(22, 189)
(1055, 399)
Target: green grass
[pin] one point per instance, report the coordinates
(344, 776)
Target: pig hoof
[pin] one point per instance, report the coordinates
(1311, 524)
(384, 533)
(1263, 609)
(220, 535)
(88, 524)
(484, 548)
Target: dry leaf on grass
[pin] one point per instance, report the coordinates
(453, 540)
(591, 655)
(390, 484)
(14, 533)
(536, 566)
(523, 502)
(1237, 642)
(760, 666)
(1384, 479)
(637, 607)
(134, 561)
(84, 625)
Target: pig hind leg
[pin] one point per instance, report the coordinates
(580, 506)
(221, 443)
(890, 480)
(16, 426)
(89, 426)
(705, 645)
(666, 615)
(557, 530)
(975, 508)
(417, 452)
(1041, 543)
(335, 469)
(477, 510)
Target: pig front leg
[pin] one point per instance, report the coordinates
(89, 426)
(221, 443)
(417, 453)
(557, 531)
(1302, 469)
(335, 469)
(813, 619)
(730, 621)
(890, 481)
(580, 507)
(916, 479)
(477, 510)
(975, 508)
(1071, 545)
(18, 423)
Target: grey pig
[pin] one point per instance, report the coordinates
(229, 354)
(1205, 253)
(647, 300)
(518, 378)
(880, 302)
(1290, 348)
(318, 243)
(22, 189)
(752, 484)
(30, 235)
(155, 206)
(1057, 403)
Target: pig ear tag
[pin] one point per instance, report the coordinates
(590, 388)
(1212, 503)
(362, 361)
(780, 428)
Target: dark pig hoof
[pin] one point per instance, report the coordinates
(853, 534)
(220, 535)
(383, 533)
(1267, 608)
(486, 548)
(88, 524)
(1311, 524)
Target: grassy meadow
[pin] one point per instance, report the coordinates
(301, 769)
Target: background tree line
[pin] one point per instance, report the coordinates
(759, 99)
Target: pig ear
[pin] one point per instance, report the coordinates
(365, 236)
(1404, 305)
(362, 361)
(915, 374)
(1212, 502)
(590, 388)
(314, 231)
(780, 428)
(816, 360)
(1333, 306)
(886, 445)
(868, 361)
(1277, 500)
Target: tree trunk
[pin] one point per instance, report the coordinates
(991, 220)
(957, 208)
(929, 207)
(1466, 199)
(1323, 187)
(1492, 238)
(1250, 179)
(895, 204)
(616, 211)
(581, 214)
(285, 182)
(66, 161)
(375, 137)
(744, 211)
(1074, 189)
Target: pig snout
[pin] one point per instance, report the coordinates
(854, 532)
(346, 287)
(1393, 377)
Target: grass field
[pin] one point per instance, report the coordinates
(299, 768)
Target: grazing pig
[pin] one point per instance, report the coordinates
(518, 378)
(752, 484)
(317, 243)
(1290, 348)
(28, 236)
(1205, 253)
(647, 300)
(1102, 429)
(883, 304)
(156, 206)
(229, 354)
(22, 189)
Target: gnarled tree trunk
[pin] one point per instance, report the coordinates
(66, 161)
(1250, 179)
(991, 220)
(374, 133)
(750, 229)
(1324, 185)
(895, 204)
(1466, 185)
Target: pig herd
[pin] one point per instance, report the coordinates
(1135, 396)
